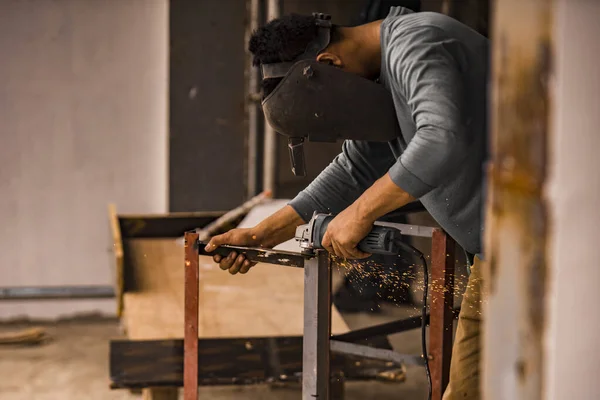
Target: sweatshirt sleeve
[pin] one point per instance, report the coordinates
(425, 66)
(352, 172)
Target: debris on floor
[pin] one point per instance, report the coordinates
(28, 336)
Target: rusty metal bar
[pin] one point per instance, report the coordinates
(442, 302)
(191, 308)
(254, 254)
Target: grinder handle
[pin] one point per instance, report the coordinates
(381, 240)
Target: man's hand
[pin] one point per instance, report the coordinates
(274, 230)
(345, 231)
(236, 237)
(353, 224)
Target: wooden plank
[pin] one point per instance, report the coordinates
(164, 225)
(268, 301)
(117, 249)
(228, 361)
(442, 313)
(28, 336)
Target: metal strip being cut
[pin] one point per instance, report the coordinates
(253, 254)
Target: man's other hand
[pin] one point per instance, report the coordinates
(344, 232)
(273, 230)
(234, 263)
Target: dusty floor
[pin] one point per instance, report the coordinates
(74, 365)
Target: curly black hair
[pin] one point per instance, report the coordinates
(282, 39)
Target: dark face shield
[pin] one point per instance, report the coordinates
(325, 104)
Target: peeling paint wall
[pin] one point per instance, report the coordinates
(516, 214)
(83, 111)
(572, 342)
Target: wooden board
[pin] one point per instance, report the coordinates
(135, 364)
(268, 301)
(129, 226)
(165, 225)
(117, 250)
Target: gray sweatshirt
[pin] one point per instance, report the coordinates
(436, 69)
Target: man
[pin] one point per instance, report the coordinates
(436, 70)
(366, 289)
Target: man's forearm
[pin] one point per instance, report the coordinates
(279, 227)
(381, 198)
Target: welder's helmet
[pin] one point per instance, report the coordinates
(324, 103)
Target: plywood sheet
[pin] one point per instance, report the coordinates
(268, 301)
(117, 249)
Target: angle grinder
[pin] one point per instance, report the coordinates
(381, 240)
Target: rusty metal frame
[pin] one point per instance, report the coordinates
(191, 310)
(317, 327)
(316, 323)
(442, 304)
(317, 319)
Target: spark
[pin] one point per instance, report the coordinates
(390, 277)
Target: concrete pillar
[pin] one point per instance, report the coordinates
(543, 225)
(572, 344)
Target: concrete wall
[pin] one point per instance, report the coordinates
(83, 111)
(574, 191)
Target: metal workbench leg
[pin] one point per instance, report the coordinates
(442, 302)
(190, 340)
(317, 328)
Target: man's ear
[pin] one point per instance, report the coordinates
(330, 59)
